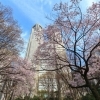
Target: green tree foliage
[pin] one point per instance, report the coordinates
(28, 98)
(88, 97)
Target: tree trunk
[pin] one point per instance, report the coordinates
(3, 87)
(93, 89)
(59, 89)
(95, 92)
(11, 96)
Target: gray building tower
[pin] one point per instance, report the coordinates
(33, 44)
(44, 80)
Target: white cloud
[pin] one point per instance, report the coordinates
(34, 10)
(24, 34)
(89, 2)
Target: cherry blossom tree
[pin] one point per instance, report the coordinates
(80, 33)
(11, 42)
(19, 79)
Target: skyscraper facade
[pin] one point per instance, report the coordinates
(33, 45)
(44, 80)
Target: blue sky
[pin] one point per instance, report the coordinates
(30, 12)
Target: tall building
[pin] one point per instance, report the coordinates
(44, 80)
(33, 44)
